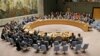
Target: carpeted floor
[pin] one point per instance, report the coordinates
(93, 38)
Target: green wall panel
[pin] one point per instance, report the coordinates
(49, 6)
(81, 6)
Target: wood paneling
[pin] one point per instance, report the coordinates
(96, 13)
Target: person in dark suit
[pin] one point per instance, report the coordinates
(72, 38)
(18, 47)
(46, 38)
(34, 38)
(51, 41)
(36, 33)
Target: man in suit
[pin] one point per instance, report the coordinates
(46, 38)
(72, 38)
(73, 41)
(18, 46)
(34, 38)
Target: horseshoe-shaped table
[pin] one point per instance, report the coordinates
(30, 26)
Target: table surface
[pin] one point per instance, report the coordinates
(31, 25)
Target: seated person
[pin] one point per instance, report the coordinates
(47, 38)
(72, 41)
(79, 39)
(44, 43)
(72, 38)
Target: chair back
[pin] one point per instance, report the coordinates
(43, 48)
(85, 46)
(11, 40)
(74, 43)
(64, 43)
(30, 41)
(78, 47)
(38, 42)
(65, 48)
(46, 42)
(35, 46)
(56, 43)
(56, 48)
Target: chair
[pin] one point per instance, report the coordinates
(65, 48)
(43, 48)
(64, 43)
(11, 41)
(98, 28)
(6, 37)
(30, 42)
(73, 44)
(85, 46)
(46, 43)
(56, 43)
(38, 42)
(77, 48)
(79, 41)
(95, 24)
(24, 45)
(56, 48)
(35, 46)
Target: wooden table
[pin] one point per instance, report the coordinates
(30, 26)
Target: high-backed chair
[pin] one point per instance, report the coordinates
(47, 44)
(98, 27)
(6, 37)
(85, 46)
(73, 44)
(43, 48)
(24, 45)
(38, 42)
(35, 46)
(95, 24)
(30, 42)
(65, 48)
(56, 43)
(64, 43)
(77, 48)
(11, 41)
(56, 48)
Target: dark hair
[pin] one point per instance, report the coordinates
(45, 33)
(72, 33)
(79, 34)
